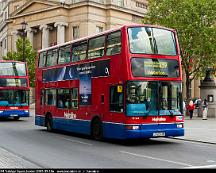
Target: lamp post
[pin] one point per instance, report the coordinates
(23, 37)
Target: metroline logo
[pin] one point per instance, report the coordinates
(158, 119)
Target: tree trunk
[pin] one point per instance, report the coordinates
(188, 91)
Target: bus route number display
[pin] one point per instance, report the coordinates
(154, 67)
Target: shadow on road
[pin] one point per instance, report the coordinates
(10, 119)
(128, 142)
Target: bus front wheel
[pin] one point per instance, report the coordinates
(96, 129)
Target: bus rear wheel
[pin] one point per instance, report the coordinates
(96, 129)
(49, 123)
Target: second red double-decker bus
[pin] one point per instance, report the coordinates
(14, 89)
(123, 83)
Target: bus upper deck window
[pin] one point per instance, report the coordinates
(79, 51)
(114, 43)
(64, 54)
(96, 47)
(42, 59)
(52, 56)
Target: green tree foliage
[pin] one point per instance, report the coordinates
(195, 22)
(29, 56)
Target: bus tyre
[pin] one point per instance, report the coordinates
(16, 118)
(96, 129)
(49, 124)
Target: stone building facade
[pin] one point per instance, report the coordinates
(51, 22)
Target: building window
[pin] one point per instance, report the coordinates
(5, 15)
(99, 29)
(75, 32)
(141, 5)
(118, 2)
(5, 43)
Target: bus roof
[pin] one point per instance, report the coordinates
(104, 32)
(4, 61)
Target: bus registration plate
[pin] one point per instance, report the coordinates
(156, 134)
(13, 115)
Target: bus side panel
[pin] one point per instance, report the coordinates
(76, 126)
(113, 130)
(39, 120)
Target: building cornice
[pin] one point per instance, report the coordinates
(16, 14)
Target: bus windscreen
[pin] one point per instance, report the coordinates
(12, 69)
(149, 40)
(14, 98)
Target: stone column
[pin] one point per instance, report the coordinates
(208, 91)
(15, 38)
(60, 31)
(45, 35)
(30, 34)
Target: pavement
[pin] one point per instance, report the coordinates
(199, 130)
(196, 130)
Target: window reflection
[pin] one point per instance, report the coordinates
(151, 98)
(12, 69)
(151, 41)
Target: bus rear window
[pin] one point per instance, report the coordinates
(153, 67)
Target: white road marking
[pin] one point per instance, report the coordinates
(210, 161)
(76, 141)
(154, 158)
(201, 167)
(199, 129)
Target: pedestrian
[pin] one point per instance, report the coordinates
(190, 108)
(205, 109)
(198, 104)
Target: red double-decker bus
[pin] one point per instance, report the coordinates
(122, 83)
(14, 89)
